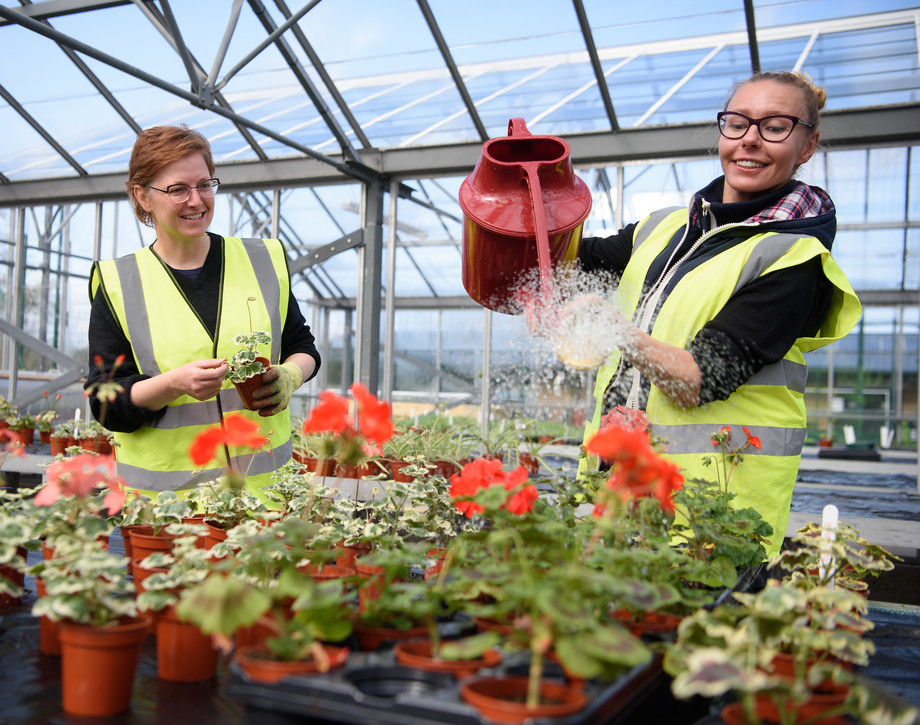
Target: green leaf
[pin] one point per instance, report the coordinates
(223, 604)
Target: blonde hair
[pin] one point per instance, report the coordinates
(813, 95)
(157, 147)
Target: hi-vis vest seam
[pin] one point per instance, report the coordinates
(261, 262)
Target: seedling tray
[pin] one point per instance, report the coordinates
(372, 689)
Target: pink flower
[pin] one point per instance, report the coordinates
(79, 476)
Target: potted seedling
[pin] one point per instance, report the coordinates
(247, 366)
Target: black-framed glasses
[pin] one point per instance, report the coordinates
(774, 129)
(180, 193)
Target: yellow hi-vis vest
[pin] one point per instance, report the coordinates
(165, 333)
(771, 402)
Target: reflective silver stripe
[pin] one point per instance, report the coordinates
(697, 438)
(787, 373)
(767, 251)
(650, 224)
(262, 462)
(132, 291)
(261, 261)
(196, 413)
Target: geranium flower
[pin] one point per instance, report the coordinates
(638, 470)
(375, 421)
(79, 476)
(329, 416)
(752, 439)
(236, 430)
(483, 473)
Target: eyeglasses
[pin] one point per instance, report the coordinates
(771, 128)
(180, 193)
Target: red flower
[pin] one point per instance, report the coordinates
(752, 439)
(236, 430)
(614, 442)
(483, 473)
(638, 470)
(330, 415)
(375, 422)
(79, 476)
(522, 501)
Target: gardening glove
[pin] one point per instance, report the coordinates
(282, 388)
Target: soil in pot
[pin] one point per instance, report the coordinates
(502, 699)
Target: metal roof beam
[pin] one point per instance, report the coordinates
(596, 63)
(320, 69)
(275, 34)
(868, 127)
(348, 168)
(452, 67)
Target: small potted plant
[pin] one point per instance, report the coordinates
(24, 427)
(184, 652)
(736, 649)
(62, 437)
(247, 365)
(301, 617)
(511, 570)
(85, 587)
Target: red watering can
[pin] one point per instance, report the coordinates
(523, 211)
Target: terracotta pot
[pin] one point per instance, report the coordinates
(647, 622)
(144, 542)
(324, 467)
(215, 535)
(248, 387)
(26, 436)
(347, 554)
(255, 634)
(373, 638)
(15, 577)
(49, 638)
(346, 470)
(44, 436)
(141, 573)
(372, 579)
(767, 712)
(98, 665)
(502, 699)
(59, 445)
(258, 663)
(184, 652)
(446, 469)
(438, 555)
(325, 572)
(530, 463)
(96, 444)
(417, 653)
(396, 471)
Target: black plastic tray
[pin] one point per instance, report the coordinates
(372, 689)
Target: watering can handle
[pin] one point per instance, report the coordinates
(517, 127)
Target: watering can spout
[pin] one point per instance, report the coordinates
(524, 208)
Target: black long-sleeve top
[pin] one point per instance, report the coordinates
(202, 289)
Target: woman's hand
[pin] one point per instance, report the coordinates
(200, 379)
